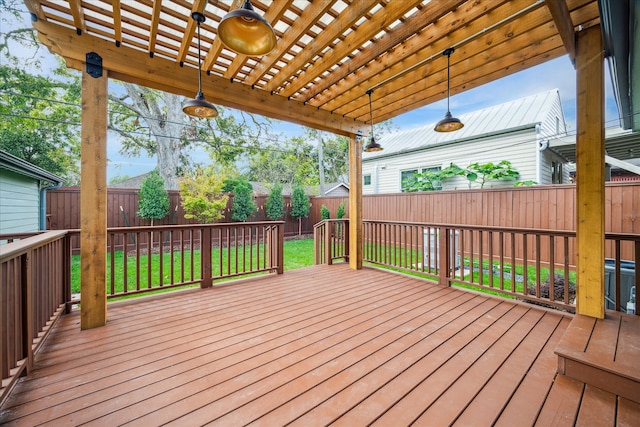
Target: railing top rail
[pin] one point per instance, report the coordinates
(568, 233)
(12, 250)
(324, 221)
(189, 226)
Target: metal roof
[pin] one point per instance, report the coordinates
(15, 164)
(619, 143)
(510, 116)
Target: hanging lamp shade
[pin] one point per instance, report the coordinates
(245, 31)
(199, 107)
(372, 145)
(449, 123)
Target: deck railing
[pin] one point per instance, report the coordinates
(331, 241)
(149, 259)
(528, 264)
(34, 282)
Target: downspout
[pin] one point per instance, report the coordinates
(539, 149)
(43, 204)
(375, 178)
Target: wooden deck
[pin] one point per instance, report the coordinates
(314, 346)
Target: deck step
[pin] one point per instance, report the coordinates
(603, 353)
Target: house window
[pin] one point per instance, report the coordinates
(556, 173)
(367, 179)
(428, 184)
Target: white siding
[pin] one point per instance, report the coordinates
(19, 203)
(516, 147)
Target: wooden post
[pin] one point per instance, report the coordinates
(27, 309)
(590, 173)
(444, 260)
(355, 203)
(280, 230)
(205, 257)
(93, 202)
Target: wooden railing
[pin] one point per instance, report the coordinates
(148, 259)
(527, 264)
(331, 241)
(34, 282)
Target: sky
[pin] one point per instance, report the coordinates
(555, 74)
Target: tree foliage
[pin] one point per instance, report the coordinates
(152, 122)
(243, 205)
(292, 161)
(154, 200)
(300, 205)
(40, 120)
(202, 197)
(275, 203)
(340, 212)
(429, 180)
(324, 212)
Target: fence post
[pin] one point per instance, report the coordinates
(205, 257)
(443, 256)
(27, 309)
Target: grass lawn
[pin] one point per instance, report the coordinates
(297, 254)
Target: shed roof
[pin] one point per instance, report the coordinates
(15, 164)
(510, 116)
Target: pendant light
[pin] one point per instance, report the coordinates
(449, 123)
(245, 31)
(372, 145)
(199, 107)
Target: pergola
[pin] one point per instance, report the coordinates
(329, 54)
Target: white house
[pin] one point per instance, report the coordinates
(517, 131)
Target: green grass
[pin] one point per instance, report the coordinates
(297, 254)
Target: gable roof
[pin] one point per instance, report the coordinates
(15, 164)
(510, 116)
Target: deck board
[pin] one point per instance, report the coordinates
(317, 346)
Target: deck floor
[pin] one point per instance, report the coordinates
(315, 346)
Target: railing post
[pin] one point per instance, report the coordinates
(280, 248)
(205, 257)
(316, 246)
(27, 310)
(443, 256)
(346, 240)
(327, 243)
(66, 272)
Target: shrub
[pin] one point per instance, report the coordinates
(154, 200)
(243, 205)
(324, 212)
(341, 210)
(275, 203)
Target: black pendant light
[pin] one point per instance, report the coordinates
(245, 31)
(372, 145)
(449, 123)
(199, 106)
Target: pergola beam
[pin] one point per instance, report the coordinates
(562, 18)
(135, 66)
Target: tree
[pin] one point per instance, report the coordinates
(152, 122)
(40, 118)
(324, 212)
(243, 205)
(340, 212)
(275, 203)
(202, 197)
(292, 161)
(299, 205)
(154, 199)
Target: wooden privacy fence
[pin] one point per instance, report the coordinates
(63, 212)
(34, 278)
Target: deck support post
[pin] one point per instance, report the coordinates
(590, 167)
(355, 203)
(93, 202)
